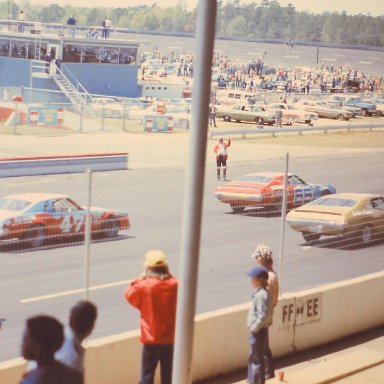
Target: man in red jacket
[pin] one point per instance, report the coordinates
(154, 295)
(221, 156)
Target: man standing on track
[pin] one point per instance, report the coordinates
(221, 157)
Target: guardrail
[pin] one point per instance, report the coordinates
(273, 131)
(47, 165)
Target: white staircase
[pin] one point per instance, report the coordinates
(79, 96)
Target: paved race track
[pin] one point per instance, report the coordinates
(154, 198)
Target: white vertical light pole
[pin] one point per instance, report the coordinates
(192, 212)
(81, 118)
(87, 234)
(283, 216)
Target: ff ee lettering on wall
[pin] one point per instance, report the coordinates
(300, 310)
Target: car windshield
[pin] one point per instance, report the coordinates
(13, 204)
(256, 179)
(333, 202)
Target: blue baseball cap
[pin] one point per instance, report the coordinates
(258, 272)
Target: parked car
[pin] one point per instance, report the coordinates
(289, 110)
(325, 111)
(107, 107)
(379, 106)
(35, 217)
(230, 97)
(133, 103)
(180, 102)
(244, 112)
(265, 189)
(367, 107)
(358, 217)
(337, 104)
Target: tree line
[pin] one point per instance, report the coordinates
(261, 20)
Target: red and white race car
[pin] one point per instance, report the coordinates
(265, 189)
(35, 217)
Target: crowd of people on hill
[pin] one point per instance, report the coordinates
(256, 76)
(322, 77)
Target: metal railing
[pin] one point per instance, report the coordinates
(260, 130)
(71, 78)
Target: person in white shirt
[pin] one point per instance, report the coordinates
(82, 320)
(20, 22)
(108, 24)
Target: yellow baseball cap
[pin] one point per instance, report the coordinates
(155, 258)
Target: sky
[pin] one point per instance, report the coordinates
(352, 7)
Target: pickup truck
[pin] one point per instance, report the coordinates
(367, 107)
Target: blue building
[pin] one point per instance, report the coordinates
(91, 65)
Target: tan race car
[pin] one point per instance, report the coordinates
(358, 217)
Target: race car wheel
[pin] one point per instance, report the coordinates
(379, 113)
(35, 236)
(340, 117)
(226, 118)
(237, 208)
(111, 227)
(307, 121)
(310, 236)
(325, 193)
(366, 234)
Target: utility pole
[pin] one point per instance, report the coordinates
(317, 55)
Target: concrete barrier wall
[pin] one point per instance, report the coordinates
(46, 165)
(302, 320)
(345, 309)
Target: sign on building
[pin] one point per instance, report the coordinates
(45, 115)
(156, 123)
